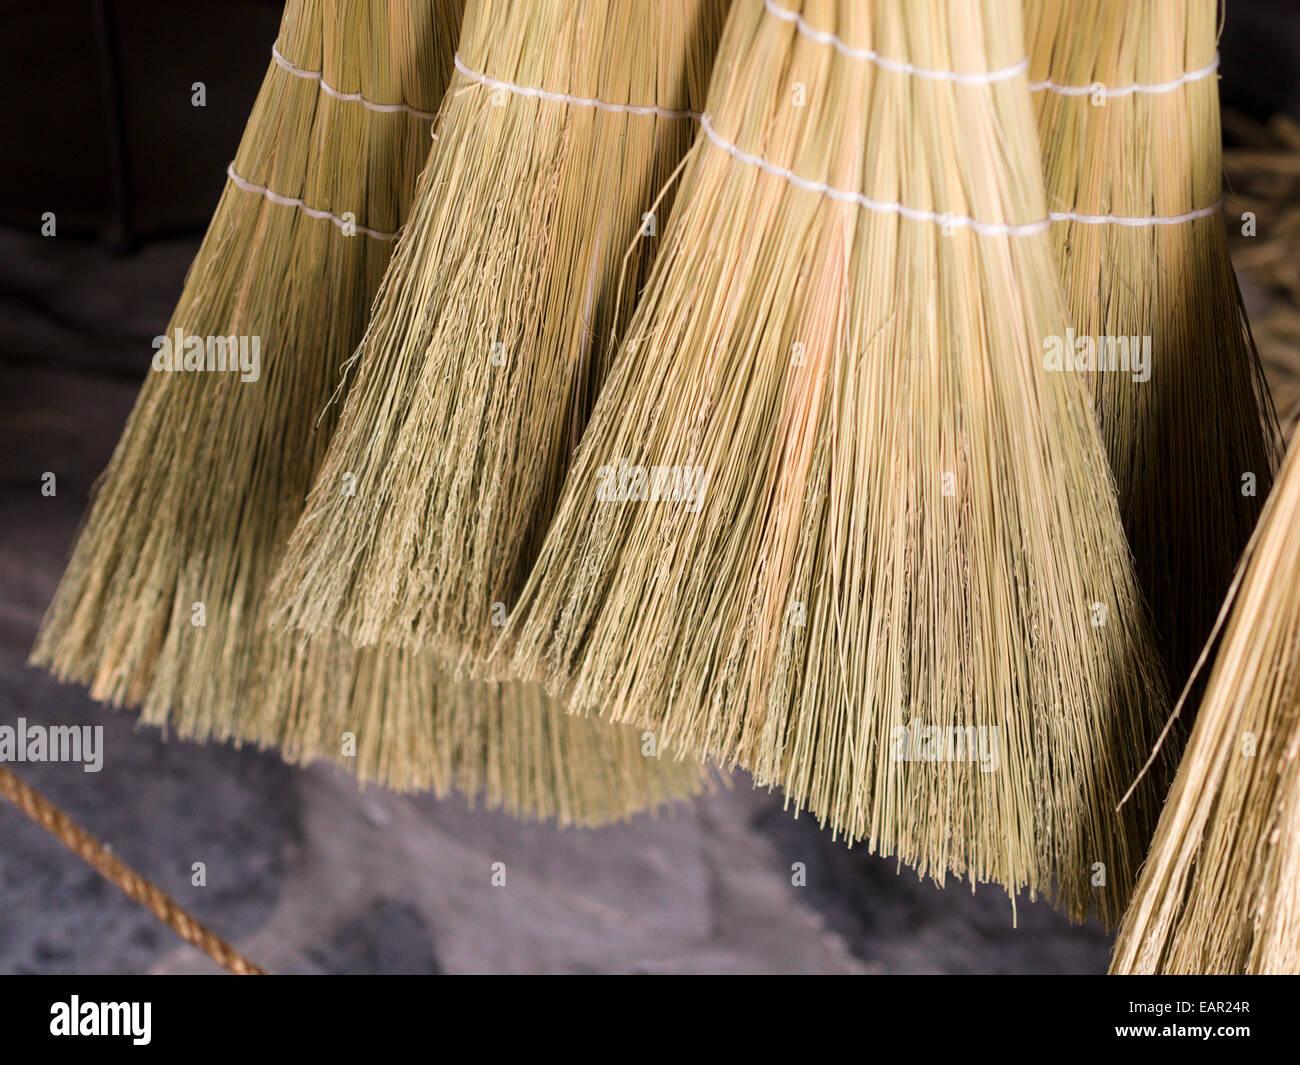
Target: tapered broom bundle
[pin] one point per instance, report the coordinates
(1128, 114)
(161, 600)
(418, 728)
(163, 604)
(536, 221)
(1220, 889)
(889, 575)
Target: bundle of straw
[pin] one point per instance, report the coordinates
(1220, 890)
(398, 719)
(535, 224)
(1128, 114)
(209, 474)
(903, 592)
(164, 602)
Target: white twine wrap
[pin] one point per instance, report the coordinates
(897, 66)
(351, 97)
(1136, 223)
(565, 98)
(310, 212)
(945, 219)
(1152, 89)
(915, 214)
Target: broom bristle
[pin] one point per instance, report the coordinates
(1220, 889)
(396, 719)
(1189, 428)
(488, 343)
(908, 543)
(211, 471)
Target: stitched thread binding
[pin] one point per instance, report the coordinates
(842, 195)
(1137, 223)
(943, 218)
(897, 66)
(565, 98)
(986, 78)
(882, 207)
(293, 201)
(352, 97)
(838, 194)
(1153, 89)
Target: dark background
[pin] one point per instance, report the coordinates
(305, 872)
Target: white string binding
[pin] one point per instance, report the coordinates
(960, 221)
(565, 98)
(914, 214)
(986, 78)
(840, 195)
(897, 66)
(1136, 223)
(351, 97)
(1154, 89)
(311, 212)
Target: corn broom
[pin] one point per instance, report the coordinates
(1220, 889)
(534, 227)
(163, 605)
(1128, 114)
(832, 519)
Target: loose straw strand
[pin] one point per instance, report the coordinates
(131, 883)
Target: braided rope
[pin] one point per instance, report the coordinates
(133, 885)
